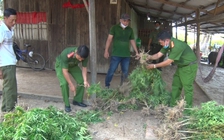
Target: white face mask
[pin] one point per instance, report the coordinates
(166, 44)
(123, 26)
(157, 28)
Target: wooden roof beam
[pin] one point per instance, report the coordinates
(205, 23)
(220, 20)
(161, 9)
(208, 12)
(218, 30)
(217, 10)
(211, 12)
(207, 18)
(149, 7)
(180, 5)
(215, 24)
(136, 10)
(211, 27)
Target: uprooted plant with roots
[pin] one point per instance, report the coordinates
(200, 123)
(146, 90)
(143, 57)
(143, 89)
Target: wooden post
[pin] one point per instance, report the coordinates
(198, 36)
(176, 31)
(194, 40)
(118, 9)
(86, 5)
(185, 29)
(210, 43)
(92, 37)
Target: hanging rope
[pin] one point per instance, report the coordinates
(211, 74)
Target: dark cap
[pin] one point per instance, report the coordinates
(158, 22)
(125, 17)
(165, 34)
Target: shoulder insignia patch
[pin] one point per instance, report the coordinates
(71, 54)
(172, 44)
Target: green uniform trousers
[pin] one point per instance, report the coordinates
(76, 73)
(184, 79)
(9, 91)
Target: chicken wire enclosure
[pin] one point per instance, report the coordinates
(31, 31)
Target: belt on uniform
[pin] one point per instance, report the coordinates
(191, 63)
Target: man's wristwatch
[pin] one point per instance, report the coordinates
(154, 66)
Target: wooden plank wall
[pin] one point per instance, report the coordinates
(56, 29)
(70, 27)
(30, 33)
(106, 17)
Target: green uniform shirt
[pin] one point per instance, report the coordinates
(121, 40)
(66, 62)
(180, 52)
(153, 35)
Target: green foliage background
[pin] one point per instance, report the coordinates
(1, 9)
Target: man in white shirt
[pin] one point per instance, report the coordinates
(8, 61)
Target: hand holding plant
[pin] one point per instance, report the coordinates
(137, 56)
(149, 57)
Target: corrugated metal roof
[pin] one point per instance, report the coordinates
(184, 12)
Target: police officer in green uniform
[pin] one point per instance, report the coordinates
(68, 63)
(183, 56)
(153, 44)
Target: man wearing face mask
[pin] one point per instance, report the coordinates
(185, 59)
(154, 45)
(121, 35)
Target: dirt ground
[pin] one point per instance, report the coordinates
(130, 125)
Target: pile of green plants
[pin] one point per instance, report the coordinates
(110, 99)
(148, 87)
(207, 121)
(144, 88)
(199, 123)
(46, 124)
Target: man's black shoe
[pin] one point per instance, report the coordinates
(79, 104)
(68, 109)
